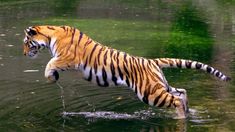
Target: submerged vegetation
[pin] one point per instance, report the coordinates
(190, 35)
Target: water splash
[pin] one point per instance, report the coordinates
(61, 95)
(102, 114)
(142, 114)
(62, 100)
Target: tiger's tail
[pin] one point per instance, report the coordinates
(181, 63)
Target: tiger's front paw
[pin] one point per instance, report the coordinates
(53, 77)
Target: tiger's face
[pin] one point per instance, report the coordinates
(34, 41)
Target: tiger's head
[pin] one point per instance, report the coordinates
(35, 40)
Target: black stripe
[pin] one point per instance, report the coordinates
(139, 73)
(43, 35)
(163, 101)
(49, 42)
(188, 64)
(158, 97)
(125, 69)
(105, 57)
(208, 69)
(118, 57)
(111, 53)
(145, 99)
(98, 81)
(90, 75)
(80, 37)
(217, 74)
(114, 78)
(135, 72)
(179, 63)
(140, 69)
(85, 63)
(95, 66)
(146, 95)
(92, 52)
(104, 74)
(63, 27)
(73, 33)
(214, 70)
(50, 27)
(127, 82)
(75, 51)
(143, 64)
(171, 101)
(120, 73)
(100, 51)
(221, 74)
(198, 65)
(125, 60)
(156, 61)
(131, 75)
(119, 70)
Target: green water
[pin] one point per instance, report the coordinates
(197, 30)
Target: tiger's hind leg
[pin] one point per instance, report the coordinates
(160, 97)
(182, 94)
(178, 98)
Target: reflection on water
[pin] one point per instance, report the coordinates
(199, 30)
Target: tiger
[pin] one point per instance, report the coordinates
(71, 49)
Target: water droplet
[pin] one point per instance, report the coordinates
(26, 71)
(119, 98)
(2, 35)
(9, 45)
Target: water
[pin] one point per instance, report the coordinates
(198, 30)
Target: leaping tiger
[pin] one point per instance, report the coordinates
(71, 49)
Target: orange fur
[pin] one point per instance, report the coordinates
(71, 49)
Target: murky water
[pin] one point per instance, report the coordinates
(198, 30)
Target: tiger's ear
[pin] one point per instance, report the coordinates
(30, 31)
